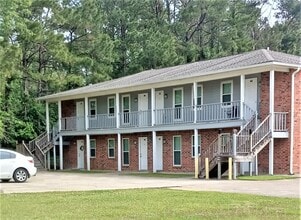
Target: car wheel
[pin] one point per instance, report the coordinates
(20, 175)
(5, 180)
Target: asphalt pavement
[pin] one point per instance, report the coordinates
(64, 181)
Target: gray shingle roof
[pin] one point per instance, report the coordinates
(200, 68)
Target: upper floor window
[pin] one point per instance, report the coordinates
(227, 92)
(199, 95)
(126, 108)
(111, 106)
(92, 148)
(92, 108)
(178, 103)
(193, 145)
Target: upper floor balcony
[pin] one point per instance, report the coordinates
(188, 115)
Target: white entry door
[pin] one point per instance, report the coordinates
(159, 153)
(80, 154)
(159, 106)
(80, 116)
(142, 153)
(251, 93)
(142, 109)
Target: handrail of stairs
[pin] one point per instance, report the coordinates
(27, 149)
(209, 153)
(260, 133)
(243, 136)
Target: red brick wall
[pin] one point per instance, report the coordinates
(282, 104)
(297, 125)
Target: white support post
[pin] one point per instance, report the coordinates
(88, 151)
(154, 135)
(86, 113)
(195, 100)
(119, 151)
(256, 165)
(61, 152)
(47, 121)
(242, 96)
(117, 113)
(153, 105)
(54, 157)
(196, 153)
(60, 114)
(48, 160)
(234, 154)
(272, 119)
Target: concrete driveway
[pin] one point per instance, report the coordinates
(63, 181)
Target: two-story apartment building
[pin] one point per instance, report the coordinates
(245, 106)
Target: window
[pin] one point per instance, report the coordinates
(226, 93)
(177, 145)
(92, 108)
(126, 108)
(193, 147)
(125, 152)
(178, 103)
(92, 148)
(199, 95)
(7, 155)
(111, 106)
(111, 148)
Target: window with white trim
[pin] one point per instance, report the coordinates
(111, 148)
(199, 95)
(226, 92)
(193, 147)
(126, 108)
(92, 108)
(125, 152)
(177, 150)
(178, 102)
(92, 148)
(111, 106)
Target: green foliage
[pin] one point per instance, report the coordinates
(51, 46)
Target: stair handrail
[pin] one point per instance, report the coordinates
(209, 153)
(260, 133)
(27, 149)
(243, 136)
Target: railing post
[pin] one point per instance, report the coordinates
(207, 168)
(234, 155)
(230, 169)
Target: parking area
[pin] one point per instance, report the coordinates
(64, 181)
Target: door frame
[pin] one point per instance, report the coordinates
(80, 154)
(143, 165)
(159, 153)
(80, 119)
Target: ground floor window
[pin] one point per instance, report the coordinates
(177, 150)
(125, 152)
(193, 145)
(111, 148)
(92, 148)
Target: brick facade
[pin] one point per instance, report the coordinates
(297, 125)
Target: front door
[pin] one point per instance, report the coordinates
(159, 153)
(80, 116)
(159, 106)
(251, 93)
(142, 153)
(142, 109)
(80, 154)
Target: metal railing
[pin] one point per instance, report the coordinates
(135, 119)
(280, 123)
(102, 121)
(243, 136)
(170, 116)
(260, 133)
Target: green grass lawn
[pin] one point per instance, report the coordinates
(266, 177)
(146, 204)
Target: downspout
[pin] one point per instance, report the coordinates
(292, 121)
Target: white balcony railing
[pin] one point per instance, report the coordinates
(215, 112)
(280, 121)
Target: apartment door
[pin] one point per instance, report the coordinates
(159, 106)
(142, 153)
(251, 93)
(80, 115)
(143, 115)
(159, 153)
(80, 154)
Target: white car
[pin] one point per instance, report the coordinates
(15, 165)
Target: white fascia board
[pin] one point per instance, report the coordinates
(214, 75)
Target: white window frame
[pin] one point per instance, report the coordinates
(173, 150)
(221, 93)
(199, 145)
(108, 102)
(91, 148)
(123, 164)
(129, 110)
(90, 115)
(174, 104)
(109, 147)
